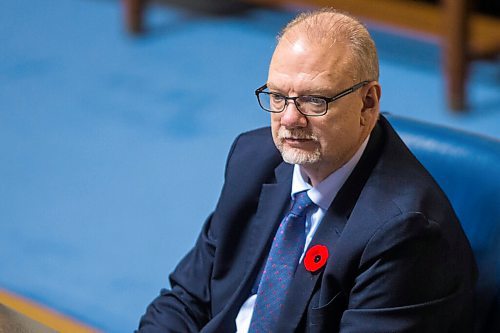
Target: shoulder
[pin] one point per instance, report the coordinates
(251, 151)
(252, 141)
(400, 178)
(400, 200)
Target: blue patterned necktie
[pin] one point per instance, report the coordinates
(287, 247)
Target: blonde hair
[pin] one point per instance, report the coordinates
(328, 25)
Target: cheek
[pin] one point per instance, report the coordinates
(275, 118)
(275, 121)
(330, 137)
(275, 126)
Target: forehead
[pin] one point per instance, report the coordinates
(299, 61)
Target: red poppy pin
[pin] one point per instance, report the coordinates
(316, 258)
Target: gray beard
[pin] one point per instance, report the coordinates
(300, 157)
(295, 155)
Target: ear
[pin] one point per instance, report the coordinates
(371, 104)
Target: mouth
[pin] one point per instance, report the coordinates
(297, 142)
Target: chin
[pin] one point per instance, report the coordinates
(297, 156)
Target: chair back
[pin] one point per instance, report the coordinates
(467, 167)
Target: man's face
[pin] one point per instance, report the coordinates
(324, 143)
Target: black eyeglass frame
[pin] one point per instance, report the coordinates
(328, 100)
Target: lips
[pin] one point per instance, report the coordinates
(297, 139)
(297, 142)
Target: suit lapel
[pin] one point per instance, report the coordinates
(304, 281)
(330, 229)
(273, 200)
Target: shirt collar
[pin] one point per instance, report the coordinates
(324, 193)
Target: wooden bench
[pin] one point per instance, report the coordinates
(465, 36)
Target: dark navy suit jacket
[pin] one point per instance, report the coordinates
(399, 260)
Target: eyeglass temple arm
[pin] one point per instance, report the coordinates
(349, 91)
(260, 89)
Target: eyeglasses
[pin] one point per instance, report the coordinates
(308, 105)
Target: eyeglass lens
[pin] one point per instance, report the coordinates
(306, 104)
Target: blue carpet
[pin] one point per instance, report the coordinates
(112, 148)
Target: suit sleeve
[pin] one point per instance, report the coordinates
(407, 280)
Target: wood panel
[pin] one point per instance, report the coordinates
(409, 15)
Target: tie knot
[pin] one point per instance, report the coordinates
(301, 202)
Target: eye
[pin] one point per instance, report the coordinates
(313, 101)
(277, 98)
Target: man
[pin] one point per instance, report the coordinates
(339, 229)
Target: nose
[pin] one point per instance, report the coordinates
(291, 117)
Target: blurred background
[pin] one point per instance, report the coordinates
(114, 133)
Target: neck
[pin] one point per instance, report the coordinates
(317, 172)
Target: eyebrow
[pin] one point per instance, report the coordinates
(323, 91)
